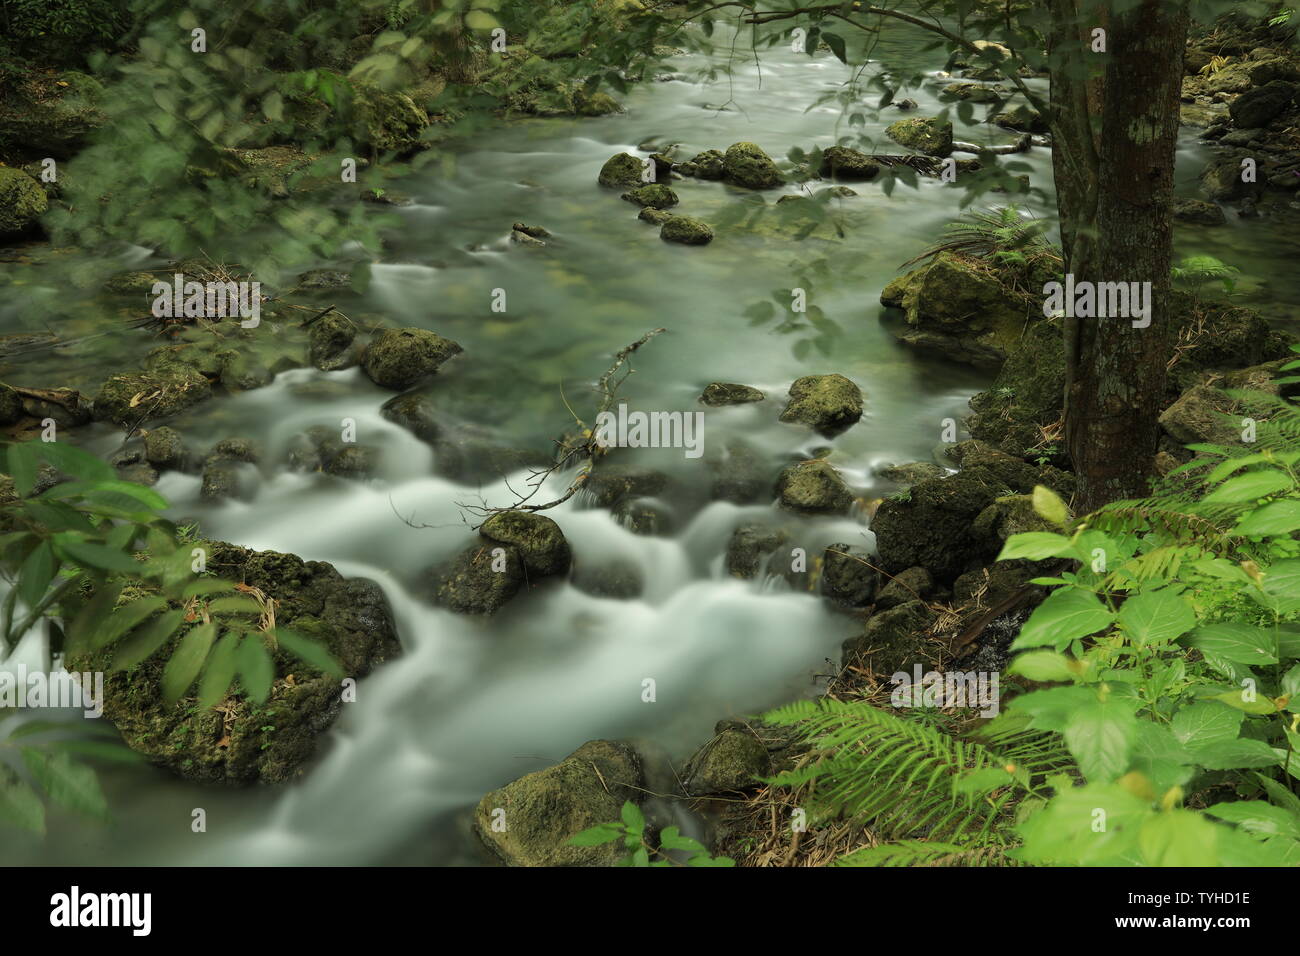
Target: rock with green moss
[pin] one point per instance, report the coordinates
(975, 92)
(813, 487)
(911, 584)
(609, 484)
(540, 542)
(242, 741)
(656, 217)
(710, 164)
(841, 162)
(745, 164)
(654, 195)
(1022, 118)
(481, 579)
(827, 403)
(1008, 515)
(331, 343)
(932, 526)
(596, 104)
(848, 576)
(728, 393)
(22, 202)
(928, 135)
(133, 397)
(622, 169)
(1203, 413)
(734, 760)
(959, 308)
(399, 358)
(51, 119)
(894, 640)
(11, 405)
(749, 545)
(1026, 396)
(164, 449)
(530, 822)
(686, 230)
(910, 473)
(132, 283)
(388, 121)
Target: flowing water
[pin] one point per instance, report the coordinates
(473, 704)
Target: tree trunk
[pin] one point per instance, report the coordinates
(1116, 373)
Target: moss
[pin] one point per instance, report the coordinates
(540, 541)
(11, 405)
(733, 760)
(22, 201)
(844, 163)
(388, 121)
(745, 164)
(481, 579)
(813, 487)
(143, 396)
(621, 169)
(828, 403)
(687, 231)
(927, 135)
(709, 164)
(893, 640)
(654, 195)
(399, 358)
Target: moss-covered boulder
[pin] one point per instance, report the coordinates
(927, 135)
(841, 162)
(1259, 106)
(1198, 211)
(894, 640)
(540, 542)
(1022, 118)
(481, 579)
(1221, 180)
(1008, 515)
(241, 741)
(710, 164)
(686, 230)
(911, 472)
(1203, 413)
(22, 202)
(813, 487)
(595, 104)
(740, 473)
(133, 397)
(331, 343)
(848, 577)
(654, 195)
(11, 405)
(734, 760)
(529, 822)
(827, 403)
(745, 164)
(749, 547)
(399, 358)
(975, 92)
(959, 308)
(656, 217)
(1026, 396)
(717, 394)
(911, 584)
(387, 121)
(164, 449)
(51, 119)
(622, 169)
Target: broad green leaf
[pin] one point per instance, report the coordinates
(1178, 838)
(19, 803)
(36, 573)
(1156, 617)
(1275, 518)
(1239, 754)
(73, 462)
(1206, 722)
(1049, 506)
(219, 671)
(88, 554)
(235, 605)
(1256, 816)
(633, 818)
(1044, 666)
(1236, 642)
(671, 839)
(1252, 485)
(600, 834)
(1035, 545)
(146, 639)
(256, 669)
(308, 651)
(1066, 614)
(68, 784)
(124, 619)
(1101, 735)
(1261, 705)
(186, 661)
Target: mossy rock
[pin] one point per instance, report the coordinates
(928, 135)
(1008, 515)
(932, 526)
(842, 162)
(245, 742)
(143, 396)
(331, 343)
(607, 484)
(596, 104)
(745, 164)
(529, 822)
(481, 579)
(656, 217)
(734, 760)
(399, 358)
(164, 449)
(827, 403)
(1027, 394)
(848, 577)
(11, 405)
(654, 195)
(22, 201)
(388, 121)
(686, 230)
(622, 169)
(893, 641)
(1022, 118)
(52, 121)
(912, 584)
(540, 542)
(710, 164)
(749, 545)
(813, 487)
(717, 394)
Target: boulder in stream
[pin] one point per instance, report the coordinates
(827, 403)
(399, 358)
(841, 162)
(539, 540)
(745, 164)
(813, 487)
(653, 195)
(622, 169)
(686, 230)
(928, 135)
(22, 201)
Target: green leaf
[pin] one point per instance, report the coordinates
(68, 784)
(1205, 723)
(88, 554)
(1252, 485)
(124, 619)
(146, 639)
(1044, 666)
(1049, 506)
(1256, 816)
(1275, 518)
(672, 839)
(73, 462)
(1067, 613)
(633, 818)
(19, 804)
(36, 573)
(1156, 617)
(1035, 546)
(1236, 642)
(600, 834)
(186, 661)
(308, 651)
(235, 605)
(219, 671)
(1178, 838)
(836, 43)
(1101, 735)
(256, 669)
(1239, 754)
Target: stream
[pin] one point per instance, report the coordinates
(472, 704)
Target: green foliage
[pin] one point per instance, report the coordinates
(1193, 272)
(1003, 235)
(61, 27)
(673, 849)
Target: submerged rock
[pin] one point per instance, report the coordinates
(710, 164)
(654, 195)
(11, 405)
(688, 231)
(1198, 211)
(827, 403)
(481, 579)
(331, 343)
(749, 547)
(529, 822)
(655, 216)
(745, 164)
(243, 741)
(399, 358)
(143, 396)
(813, 487)
(726, 393)
(842, 162)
